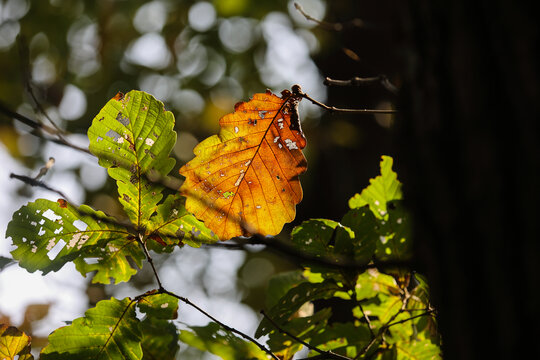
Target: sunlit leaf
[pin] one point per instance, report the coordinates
(245, 179)
(418, 350)
(49, 234)
(14, 344)
(372, 282)
(108, 331)
(132, 137)
(384, 307)
(214, 339)
(174, 225)
(382, 189)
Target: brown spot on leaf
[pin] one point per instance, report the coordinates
(119, 96)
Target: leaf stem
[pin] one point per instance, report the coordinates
(141, 240)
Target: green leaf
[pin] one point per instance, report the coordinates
(214, 339)
(14, 344)
(293, 300)
(160, 306)
(418, 350)
(159, 339)
(280, 284)
(342, 338)
(383, 307)
(382, 189)
(322, 237)
(372, 282)
(174, 225)
(365, 227)
(49, 234)
(304, 327)
(132, 137)
(394, 234)
(108, 331)
(159, 336)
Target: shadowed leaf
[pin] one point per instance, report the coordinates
(159, 336)
(245, 179)
(293, 300)
(214, 339)
(4, 262)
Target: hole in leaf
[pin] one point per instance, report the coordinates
(51, 215)
(53, 252)
(79, 224)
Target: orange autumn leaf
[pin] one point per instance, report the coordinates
(245, 179)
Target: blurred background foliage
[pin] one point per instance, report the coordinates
(199, 58)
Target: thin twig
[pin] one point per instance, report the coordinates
(331, 26)
(296, 89)
(142, 242)
(223, 325)
(24, 60)
(42, 127)
(385, 327)
(366, 317)
(328, 354)
(37, 183)
(358, 81)
(428, 312)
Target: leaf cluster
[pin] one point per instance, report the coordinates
(388, 314)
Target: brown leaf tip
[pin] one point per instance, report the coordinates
(119, 96)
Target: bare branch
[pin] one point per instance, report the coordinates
(298, 91)
(27, 79)
(358, 23)
(41, 127)
(358, 81)
(37, 183)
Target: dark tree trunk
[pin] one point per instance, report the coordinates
(469, 159)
